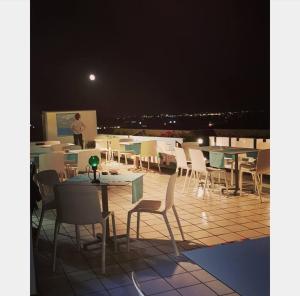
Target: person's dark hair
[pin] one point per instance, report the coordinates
(77, 116)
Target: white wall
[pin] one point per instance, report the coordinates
(88, 117)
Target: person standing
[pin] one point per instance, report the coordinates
(78, 127)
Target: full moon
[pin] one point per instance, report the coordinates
(92, 77)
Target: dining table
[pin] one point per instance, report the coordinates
(218, 153)
(108, 180)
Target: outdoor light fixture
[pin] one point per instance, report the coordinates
(94, 162)
(200, 141)
(92, 77)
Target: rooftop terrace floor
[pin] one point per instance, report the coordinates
(206, 222)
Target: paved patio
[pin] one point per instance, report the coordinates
(206, 222)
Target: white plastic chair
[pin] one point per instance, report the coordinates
(199, 169)
(79, 204)
(222, 141)
(53, 161)
(103, 146)
(115, 147)
(148, 150)
(261, 144)
(137, 285)
(157, 207)
(187, 146)
(257, 170)
(46, 180)
(181, 163)
(242, 142)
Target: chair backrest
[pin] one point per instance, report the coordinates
(170, 192)
(83, 158)
(263, 162)
(52, 161)
(260, 144)
(198, 160)
(180, 158)
(115, 144)
(78, 204)
(212, 141)
(187, 146)
(46, 180)
(149, 148)
(137, 285)
(222, 141)
(102, 144)
(242, 142)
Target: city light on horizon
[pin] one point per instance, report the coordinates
(92, 77)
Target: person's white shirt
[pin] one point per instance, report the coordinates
(77, 126)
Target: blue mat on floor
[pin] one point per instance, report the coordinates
(243, 266)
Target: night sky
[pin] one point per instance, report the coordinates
(161, 56)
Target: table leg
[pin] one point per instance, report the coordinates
(236, 174)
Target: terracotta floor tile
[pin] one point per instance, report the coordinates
(236, 228)
(230, 237)
(225, 223)
(253, 225)
(208, 225)
(200, 234)
(196, 290)
(249, 233)
(264, 230)
(182, 280)
(265, 222)
(240, 220)
(211, 241)
(219, 287)
(203, 276)
(218, 231)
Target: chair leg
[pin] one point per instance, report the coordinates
(205, 185)
(226, 183)
(212, 181)
(93, 228)
(114, 231)
(261, 182)
(190, 179)
(56, 229)
(103, 245)
(128, 230)
(185, 179)
(141, 164)
(39, 228)
(158, 165)
(125, 159)
(241, 182)
(231, 175)
(171, 235)
(138, 220)
(119, 157)
(77, 230)
(178, 222)
(259, 187)
(148, 163)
